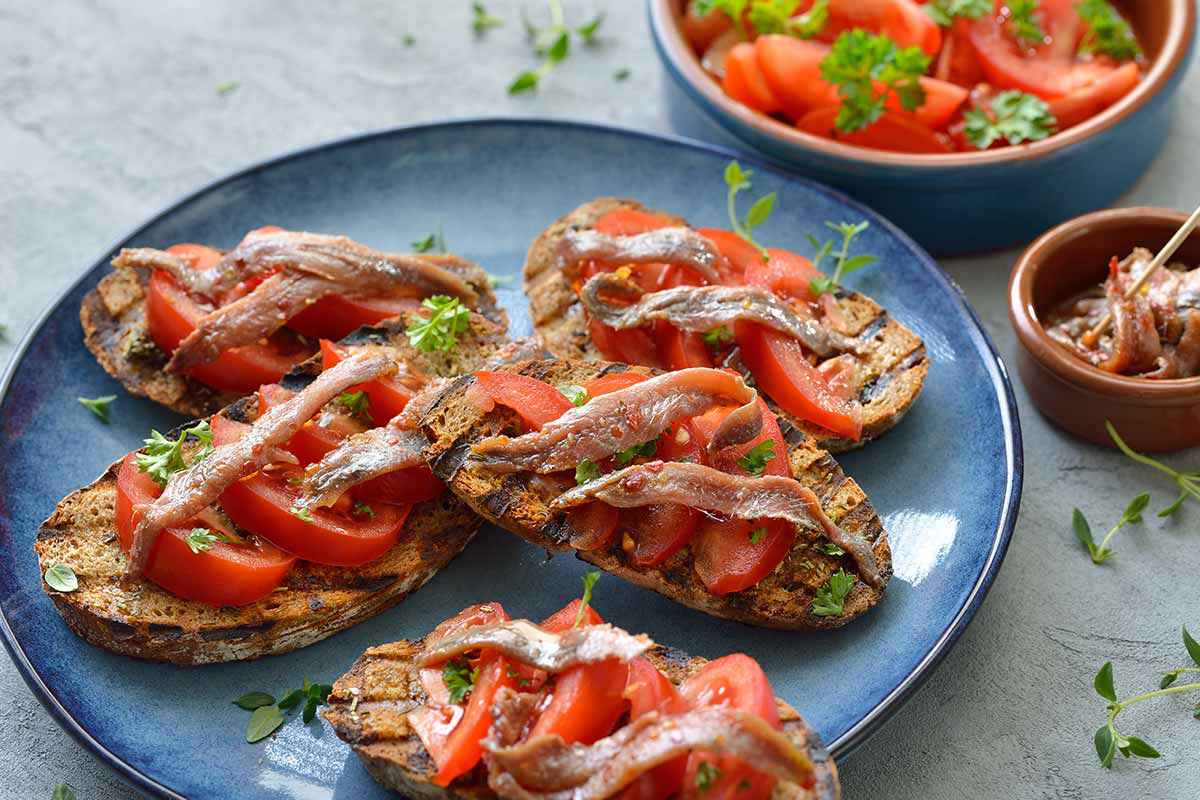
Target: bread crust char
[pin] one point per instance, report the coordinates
(519, 503)
(368, 705)
(887, 381)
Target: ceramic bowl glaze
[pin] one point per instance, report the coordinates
(173, 731)
(1150, 415)
(961, 202)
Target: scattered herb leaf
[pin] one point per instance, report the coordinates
(200, 540)
(622, 74)
(1083, 531)
(757, 534)
(586, 471)
(944, 12)
(589, 583)
(363, 510)
(845, 264)
(263, 722)
(718, 337)
(481, 20)
(1022, 22)
(433, 242)
(303, 513)
(707, 775)
(459, 679)
(755, 461)
(645, 449)
(1108, 32)
(61, 578)
(440, 330)
(98, 405)
(576, 394)
(163, 457)
(357, 403)
(831, 549)
(779, 16)
(252, 700)
(737, 179)
(830, 599)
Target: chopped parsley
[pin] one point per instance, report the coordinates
(228, 87)
(481, 20)
(459, 679)
(586, 472)
(737, 179)
(302, 513)
(202, 539)
(846, 263)
(776, 16)
(440, 330)
(430, 243)
(357, 403)
(1012, 116)
(707, 775)
(645, 449)
(718, 337)
(61, 578)
(1108, 32)
(163, 457)
(98, 405)
(755, 461)
(589, 583)
(576, 394)
(831, 549)
(867, 69)
(1022, 22)
(944, 12)
(830, 599)
(757, 534)
(361, 509)
(622, 74)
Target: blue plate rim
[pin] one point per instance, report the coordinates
(843, 745)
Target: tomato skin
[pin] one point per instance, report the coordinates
(703, 29)
(630, 222)
(659, 531)
(630, 346)
(405, 487)
(612, 382)
(1085, 103)
(335, 316)
(740, 253)
(784, 273)
(537, 402)
(223, 575)
(262, 503)
(902, 21)
(313, 441)
(792, 68)
(892, 132)
(682, 349)
(648, 690)
(781, 370)
(563, 620)
(462, 749)
(388, 396)
(594, 523)
(744, 80)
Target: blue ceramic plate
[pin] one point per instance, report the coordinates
(947, 482)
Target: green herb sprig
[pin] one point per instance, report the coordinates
(734, 9)
(357, 403)
(831, 598)
(459, 679)
(481, 20)
(430, 243)
(1083, 531)
(268, 715)
(1108, 32)
(779, 16)
(440, 330)
(643, 450)
(718, 337)
(844, 263)
(867, 70)
(586, 471)
(707, 775)
(576, 394)
(1023, 24)
(98, 406)
(1108, 740)
(553, 45)
(756, 459)
(944, 12)
(736, 180)
(589, 583)
(200, 540)
(163, 457)
(1013, 116)
(1188, 482)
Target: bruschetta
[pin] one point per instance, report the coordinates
(199, 548)
(684, 482)
(485, 706)
(194, 329)
(613, 280)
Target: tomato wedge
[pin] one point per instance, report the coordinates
(784, 273)
(631, 221)
(226, 574)
(703, 29)
(611, 382)
(537, 402)
(682, 349)
(171, 315)
(744, 80)
(388, 396)
(587, 700)
(782, 371)
(659, 531)
(313, 441)
(336, 316)
(1083, 104)
(738, 681)
(892, 132)
(902, 21)
(792, 69)
(263, 503)
(648, 690)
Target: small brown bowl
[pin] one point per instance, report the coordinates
(1154, 415)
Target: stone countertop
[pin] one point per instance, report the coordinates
(109, 110)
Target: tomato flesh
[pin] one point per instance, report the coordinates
(336, 316)
(388, 396)
(648, 690)
(226, 574)
(745, 82)
(537, 402)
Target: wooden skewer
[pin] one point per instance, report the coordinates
(1091, 337)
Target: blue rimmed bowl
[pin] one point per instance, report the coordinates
(959, 202)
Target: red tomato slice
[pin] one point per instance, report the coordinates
(781, 370)
(703, 29)
(892, 132)
(405, 487)
(902, 21)
(659, 531)
(224, 575)
(462, 750)
(682, 349)
(792, 68)
(263, 503)
(587, 700)
(648, 690)
(537, 402)
(563, 620)
(388, 396)
(612, 382)
(313, 441)
(957, 63)
(786, 273)
(1085, 103)
(740, 253)
(630, 222)
(594, 523)
(738, 681)
(744, 80)
(631, 346)
(171, 315)
(335, 316)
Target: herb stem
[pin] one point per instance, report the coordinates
(556, 13)
(1108, 538)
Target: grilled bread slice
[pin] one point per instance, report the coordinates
(887, 379)
(368, 705)
(519, 503)
(114, 330)
(314, 601)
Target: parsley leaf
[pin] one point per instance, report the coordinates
(439, 331)
(459, 679)
(589, 583)
(586, 471)
(734, 9)
(357, 403)
(361, 509)
(776, 16)
(202, 539)
(576, 394)
(553, 45)
(755, 461)
(846, 263)
(481, 20)
(163, 457)
(431, 242)
(707, 775)
(1083, 532)
(830, 599)
(1013, 116)
(830, 549)
(302, 513)
(61, 578)
(1108, 32)
(646, 449)
(227, 87)
(622, 74)
(718, 337)
(757, 534)
(943, 12)
(867, 69)
(737, 179)
(98, 405)
(1023, 24)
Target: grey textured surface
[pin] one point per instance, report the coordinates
(108, 110)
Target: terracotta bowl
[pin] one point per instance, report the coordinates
(959, 202)
(1149, 414)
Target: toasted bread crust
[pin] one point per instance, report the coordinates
(113, 316)
(519, 503)
(368, 705)
(887, 380)
(314, 601)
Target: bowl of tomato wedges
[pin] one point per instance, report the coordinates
(973, 124)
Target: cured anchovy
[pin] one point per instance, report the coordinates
(703, 308)
(616, 421)
(682, 246)
(191, 490)
(529, 644)
(546, 768)
(708, 489)
(358, 459)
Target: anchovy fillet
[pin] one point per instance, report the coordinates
(679, 245)
(531, 645)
